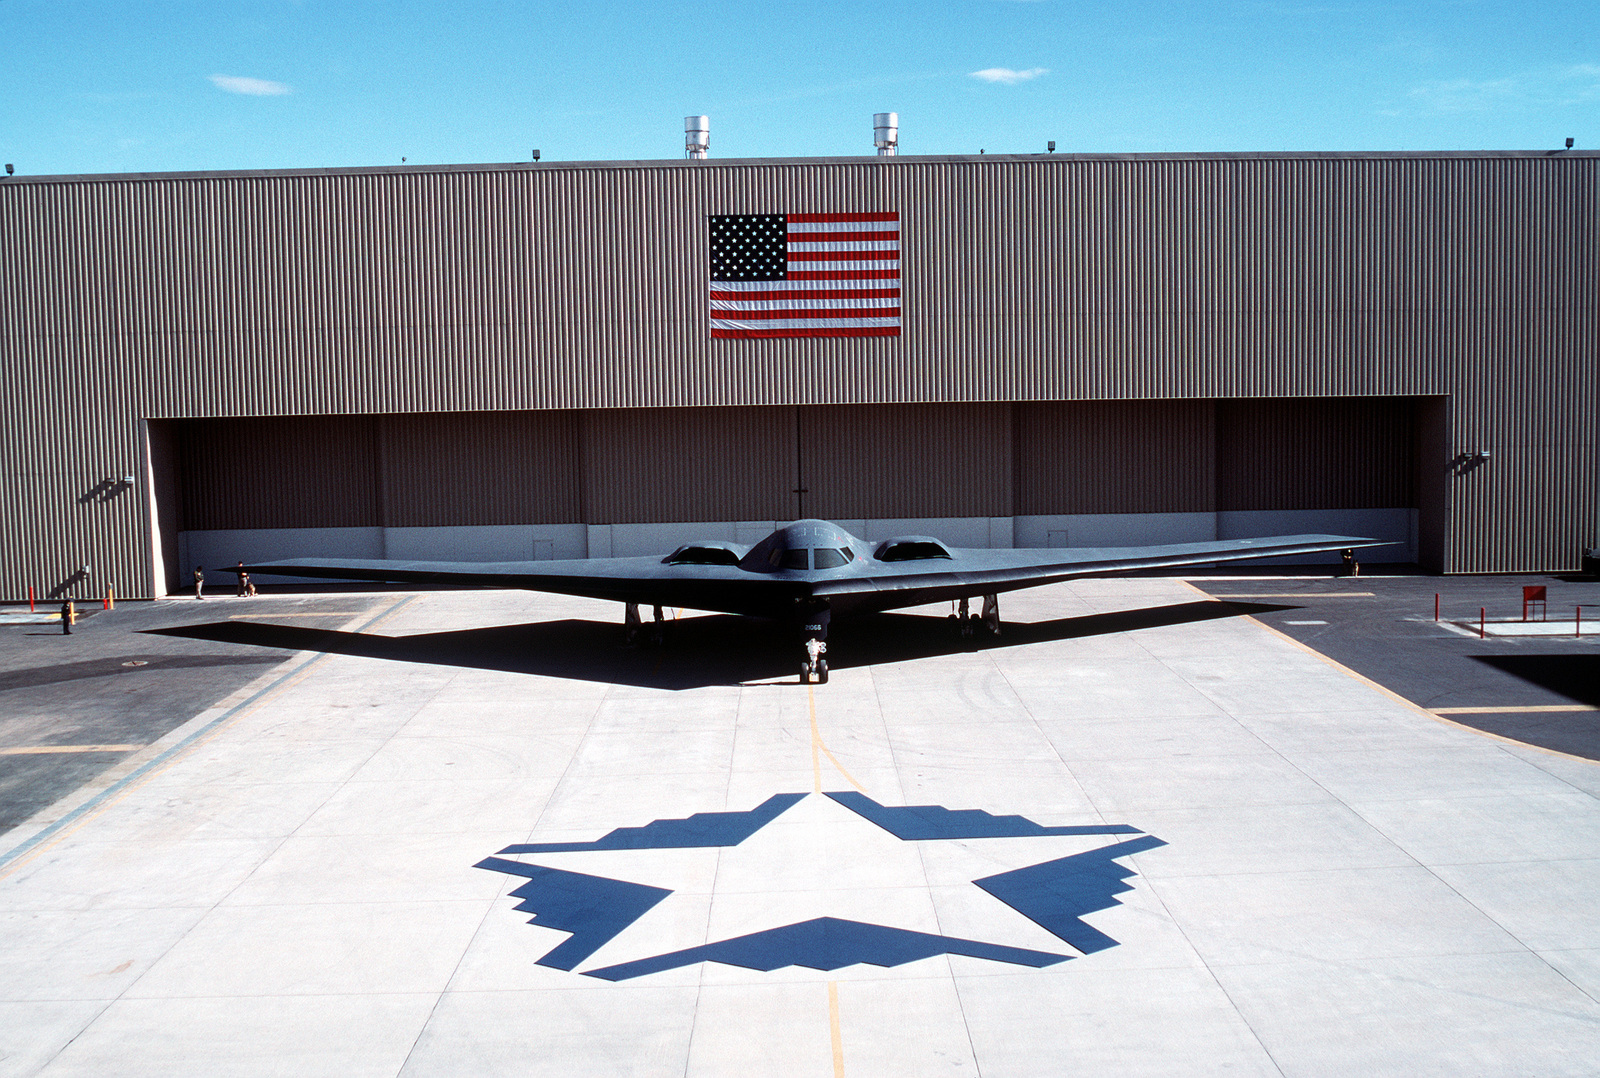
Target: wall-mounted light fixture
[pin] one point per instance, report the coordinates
(536, 155)
(1050, 147)
(1569, 146)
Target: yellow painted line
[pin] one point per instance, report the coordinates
(179, 752)
(1296, 595)
(816, 746)
(819, 746)
(1529, 709)
(50, 750)
(833, 1029)
(1396, 697)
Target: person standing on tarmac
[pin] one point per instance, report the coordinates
(68, 612)
(199, 583)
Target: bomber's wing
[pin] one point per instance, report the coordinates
(968, 573)
(644, 581)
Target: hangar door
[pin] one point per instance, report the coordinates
(490, 485)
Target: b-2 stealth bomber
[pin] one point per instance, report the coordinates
(807, 573)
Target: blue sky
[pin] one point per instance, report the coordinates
(114, 87)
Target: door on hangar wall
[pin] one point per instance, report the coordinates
(1093, 473)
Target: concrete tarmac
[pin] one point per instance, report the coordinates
(1536, 681)
(469, 833)
(73, 706)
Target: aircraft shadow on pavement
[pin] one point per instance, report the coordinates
(717, 649)
(1574, 676)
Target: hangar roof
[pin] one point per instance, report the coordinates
(758, 162)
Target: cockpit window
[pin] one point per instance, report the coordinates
(794, 558)
(824, 558)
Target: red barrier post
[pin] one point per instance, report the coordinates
(1435, 606)
(30, 598)
(1577, 622)
(1480, 623)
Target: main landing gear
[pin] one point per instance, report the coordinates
(634, 631)
(988, 620)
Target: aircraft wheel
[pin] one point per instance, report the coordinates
(822, 671)
(805, 673)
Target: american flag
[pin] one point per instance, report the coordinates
(805, 275)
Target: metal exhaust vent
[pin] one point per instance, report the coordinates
(696, 136)
(886, 132)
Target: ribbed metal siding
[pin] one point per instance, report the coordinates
(909, 460)
(1350, 453)
(720, 464)
(1116, 457)
(453, 468)
(1024, 279)
(283, 472)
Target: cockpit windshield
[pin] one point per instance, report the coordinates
(825, 558)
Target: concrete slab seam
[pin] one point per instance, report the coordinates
(12, 859)
(1527, 948)
(1396, 697)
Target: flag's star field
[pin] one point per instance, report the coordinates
(749, 247)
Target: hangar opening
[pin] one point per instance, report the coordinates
(529, 485)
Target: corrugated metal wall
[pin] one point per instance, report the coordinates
(1116, 457)
(444, 469)
(1331, 453)
(654, 465)
(928, 460)
(647, 465)
(282, 472)
(581, 287)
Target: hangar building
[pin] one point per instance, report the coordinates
(515, 361)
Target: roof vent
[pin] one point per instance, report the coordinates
(696, 137)
(886, 132)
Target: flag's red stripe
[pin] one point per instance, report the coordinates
(808, 312)
(843, 256)
(840, 237)
(868, 331)
(843, 275)
(843, 217)
(804, 293)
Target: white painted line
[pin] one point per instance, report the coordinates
(1305, 623)
(1302, 595)
(307, 614)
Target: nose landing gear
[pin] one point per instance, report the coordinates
(814, 630)
(815, 669)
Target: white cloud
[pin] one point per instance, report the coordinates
(240, 84)
(1544, 88)
(1008, 76)
(1463, 95)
